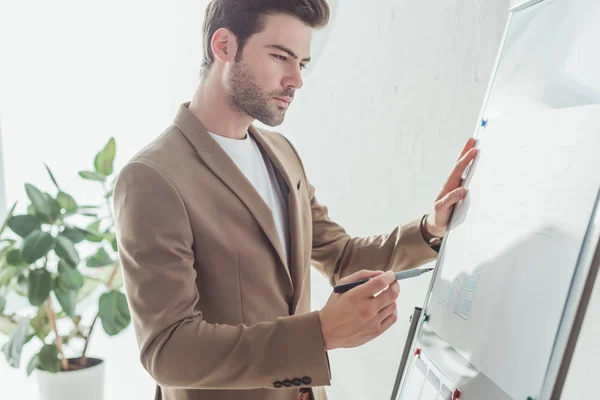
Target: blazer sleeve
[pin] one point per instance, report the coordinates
(336, 254)
(177, 346)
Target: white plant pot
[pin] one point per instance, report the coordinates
(82, 384)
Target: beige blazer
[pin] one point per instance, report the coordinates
(218, 313)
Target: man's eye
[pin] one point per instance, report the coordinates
(279, 57)
(303, 66)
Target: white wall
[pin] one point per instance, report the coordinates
(3, 207)
(379, 124)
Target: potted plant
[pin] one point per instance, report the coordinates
(42, 268)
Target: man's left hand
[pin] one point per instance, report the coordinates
(436, 223)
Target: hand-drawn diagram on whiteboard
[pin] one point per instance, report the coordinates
(461, 293)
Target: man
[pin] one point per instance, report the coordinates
(218, 225)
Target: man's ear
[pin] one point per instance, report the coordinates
(224, 45)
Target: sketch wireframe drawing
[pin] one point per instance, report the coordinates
(461, 293)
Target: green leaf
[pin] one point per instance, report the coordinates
(112, 239)
(109, 194)
(38, 199)
(54, 206)
(92, 176)
(48, 359)
(93, 231)
(23, 225)
(65, 249)
(100, 259)
(44, 219)
(34, 363)
(7, 218)
(114, 312)
(70, 277)
(40, 285)
(74, 234)
(88, 207)
(103, 163)
(52, 176)
(66, 298)
(33, 212)
(12, 349)
(94, 227)
(7, 274)
(41, 323)
(14, 258)
(66, 202)
(36, 245)
(2, 302)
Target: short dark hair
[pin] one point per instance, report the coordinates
(246, 17)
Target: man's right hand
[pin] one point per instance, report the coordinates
(358, 316)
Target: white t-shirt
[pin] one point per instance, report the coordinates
(247, 156)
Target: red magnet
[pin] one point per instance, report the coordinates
(456, 394)
(417, 351)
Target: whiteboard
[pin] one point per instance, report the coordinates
(500, 293)
(506, 267)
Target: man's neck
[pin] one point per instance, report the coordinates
(212, 107)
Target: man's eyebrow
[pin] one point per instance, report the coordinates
(286, 50)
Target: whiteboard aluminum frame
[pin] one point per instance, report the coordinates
(526, 4)
(415, 319)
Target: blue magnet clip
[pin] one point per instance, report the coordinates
(483, 122)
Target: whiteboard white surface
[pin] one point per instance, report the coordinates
(514, 244)
(549, 60)
(508, 261)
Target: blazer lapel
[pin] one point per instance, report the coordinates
(292, 187)
(223, 166)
